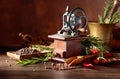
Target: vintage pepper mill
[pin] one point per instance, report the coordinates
(67, 42)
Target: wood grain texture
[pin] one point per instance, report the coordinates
(39, 18)
(10, 70)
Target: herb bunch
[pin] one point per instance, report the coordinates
(40, 59)
(94, 44)
(108, 17)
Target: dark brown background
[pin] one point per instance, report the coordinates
(39, 18)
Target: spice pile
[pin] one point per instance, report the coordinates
(26, 51)
(58, 66)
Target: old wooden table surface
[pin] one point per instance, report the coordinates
(10, 70)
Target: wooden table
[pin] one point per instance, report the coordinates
(10, 70)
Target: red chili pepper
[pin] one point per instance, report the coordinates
(108, 55)
(94, 51)
(96, 61)
(88, 65)
(104, 61)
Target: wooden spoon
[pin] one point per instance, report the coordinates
(78, 59)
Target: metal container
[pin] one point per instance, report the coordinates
(102, 31)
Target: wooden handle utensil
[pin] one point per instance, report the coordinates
(78, 59)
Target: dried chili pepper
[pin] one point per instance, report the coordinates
(96, 61)
(94, 51)
(88, 65)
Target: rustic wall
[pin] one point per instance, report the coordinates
(39, 18)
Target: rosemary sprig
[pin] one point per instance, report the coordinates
(35, 60)
(109, 17)
(92, 42)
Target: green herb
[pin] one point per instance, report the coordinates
(108, 17)
(93, 42)
(35, 60)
